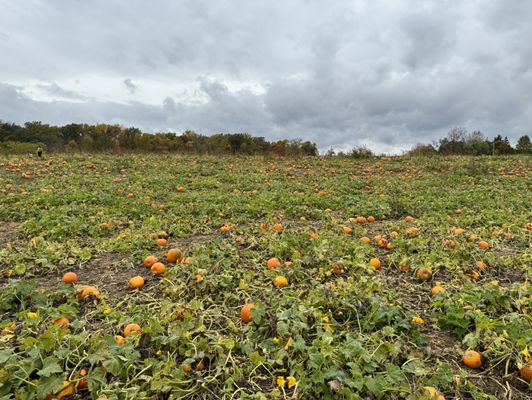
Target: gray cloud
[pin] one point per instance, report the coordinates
(130, 85)
(56, 91)
(385, 73)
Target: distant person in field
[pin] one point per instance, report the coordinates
(39, 152)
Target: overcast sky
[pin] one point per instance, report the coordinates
(382, 73)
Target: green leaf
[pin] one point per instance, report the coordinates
(282, 328)
(113, 366)
(228, 343)
(49, 385)
(375, 386)
(415, 367)
(20, 269)
(394, 374)
(256, 358)
(96, 379)
(50, 366)
(5, 355)
(99, 355)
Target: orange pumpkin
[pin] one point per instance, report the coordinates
(70, 277)
(483, 245)
(132, 328)
(424, 274)
(245, 313)
(273, 263)
(174, 255)
(437, 289)
(365, 239)
(481, 265)
(526, 372)
(472, 359)
(89, 291)
(136, 282)
(62, 321)
(186, 260)
(158, 268)
(149, 261)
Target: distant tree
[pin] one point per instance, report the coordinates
(476, 144)
(188, 138)
(279, 147)
(217, 143)
(330, 153)
(422, 150)
(72, 146)
(241, 143)
(11, 131)
(36, 131)
(523, 145)
(72, 132)
(309, 148)
(260, 145)
(454, 143)
(108, 138)
(501, 145)
(87, 142)
(361, 152)
(129, 138)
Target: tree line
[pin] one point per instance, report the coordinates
(460, 141)
(457, 142)
(25, 138)
(115, 138)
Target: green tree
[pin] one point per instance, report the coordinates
(309, 148)
(523, 145)
(36, 131)
(72, 132)
(129, 138)
(454, 143)
(10, 131)
(501, 145)
(422, 150)
(476, 144)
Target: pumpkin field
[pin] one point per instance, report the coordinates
(144, 276)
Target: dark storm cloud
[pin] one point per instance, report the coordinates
(387, 74)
